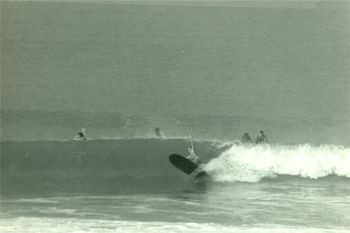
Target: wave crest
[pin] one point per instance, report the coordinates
(252, 163)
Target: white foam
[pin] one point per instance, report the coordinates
(34, 200)
(63, 225)
(251, 163)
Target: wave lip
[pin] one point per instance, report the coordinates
(248, 163)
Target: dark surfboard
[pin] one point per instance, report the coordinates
(186, 165)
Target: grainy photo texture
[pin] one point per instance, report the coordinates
(175, 116)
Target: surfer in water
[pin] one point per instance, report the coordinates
(246, 138)
(157, 132)
(192, 153)
(261, 138)
(81, 135)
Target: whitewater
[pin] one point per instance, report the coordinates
(128, 185)
(252, 163)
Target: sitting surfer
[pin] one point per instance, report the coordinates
(157, 132)
(246, 138)
(261, 139)
(81, 135)
(192, 153)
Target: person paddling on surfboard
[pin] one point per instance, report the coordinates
(81, 135)
(192, 153)
(261, 139)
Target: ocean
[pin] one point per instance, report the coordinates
(128, 185)
(210, 69)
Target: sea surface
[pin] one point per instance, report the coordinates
(212, 71)
(128, 185)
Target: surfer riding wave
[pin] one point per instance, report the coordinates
(192, 153)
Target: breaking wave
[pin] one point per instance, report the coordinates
(142, 165)
(252, 163)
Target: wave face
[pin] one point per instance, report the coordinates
(141, 165)
(119, 165)
(252, 163)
